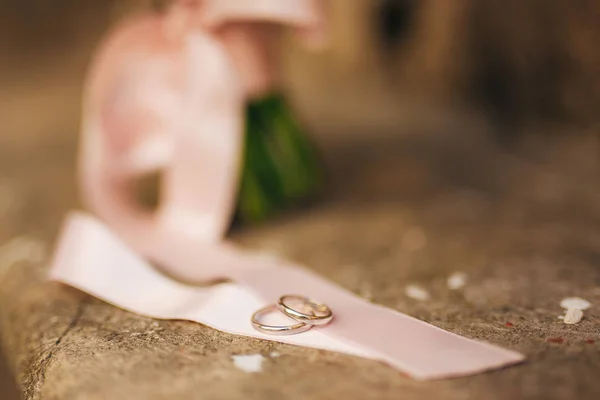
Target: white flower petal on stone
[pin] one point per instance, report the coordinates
(249, 363)
(576, 303)
(573, 316)
(457, 280)
(417, 293)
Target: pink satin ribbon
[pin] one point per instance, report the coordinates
(92, 258)
(167, 93)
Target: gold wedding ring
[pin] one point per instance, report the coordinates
(276, 329)
(305, 311)
(309, 311)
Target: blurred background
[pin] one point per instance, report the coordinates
(505, 70)
(390, 62)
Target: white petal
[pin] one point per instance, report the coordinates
(251, 363)
(575, 303)
(457, 280)
(573, 316)
(417, 292)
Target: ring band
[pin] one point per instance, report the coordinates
(320, 314)
(276, 329)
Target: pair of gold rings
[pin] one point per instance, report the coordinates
(306, 312)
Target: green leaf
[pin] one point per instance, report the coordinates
(280, 167)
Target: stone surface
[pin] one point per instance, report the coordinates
(8, 387)
(523, 225)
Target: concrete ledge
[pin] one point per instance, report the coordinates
(524, 230)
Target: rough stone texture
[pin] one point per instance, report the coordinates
(8, 388)
(522, 224)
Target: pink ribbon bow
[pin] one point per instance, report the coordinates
(166, 93)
